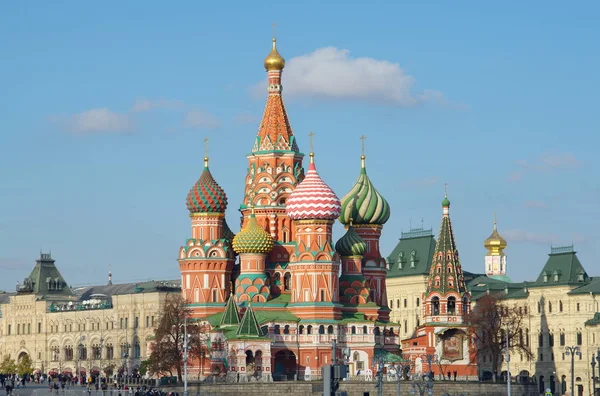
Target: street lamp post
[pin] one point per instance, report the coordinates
(100, 365)
(572, 351)
(593, 363)
(507, 359)
(421, 385)
(185, 357)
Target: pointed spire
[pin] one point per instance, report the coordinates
(231, 316)
(206, 153)
(249, 325)
(362, 157)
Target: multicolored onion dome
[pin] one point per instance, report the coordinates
(312, 199)
(226, 232)
(363, 204)
(206, 196)
(351, 244)
(252, 238)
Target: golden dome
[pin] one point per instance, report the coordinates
(274, 61)
(495, 242)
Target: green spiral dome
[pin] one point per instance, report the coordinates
(363, 204)
(252, 239)
(351, 244)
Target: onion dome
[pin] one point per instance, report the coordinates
(206, 196)
(252, 238)
(351, 244)
(363, 204)
(274, 61)
(446, 202)
(312, 198)
(226, 232)
(495, 242)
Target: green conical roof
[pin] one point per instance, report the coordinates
(445, 273)
(253, 238)
(363, 204)
(231, 316)
(249, 325)
(351, 244)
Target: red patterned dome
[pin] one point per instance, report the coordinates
(313, 199)
(206, 196)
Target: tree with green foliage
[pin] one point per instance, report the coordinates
(8, 365)
(144, 366)
(167, 350)
(25, 366)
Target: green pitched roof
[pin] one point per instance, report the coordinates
(412, 255)
(249, 325)
(481, 285)
(592, 287)
(446, 257)
(562, 268)
(45, 280)
(595, 321)
(231, 316)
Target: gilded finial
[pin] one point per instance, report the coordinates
(274, 31)
(495, 225)
(312, 151)
(231, 288)
(252, 209)
(274, 61)
(362, 157)
(206, 152)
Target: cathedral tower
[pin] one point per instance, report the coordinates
(253, 244)
(369, 211)
(313, 207)
(206, 260)
(495, 259)
(275, 163)
(446, 299)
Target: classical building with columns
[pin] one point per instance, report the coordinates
(66, 330)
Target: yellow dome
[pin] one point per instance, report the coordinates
(495, 242)
(252, 238)
(274, 61)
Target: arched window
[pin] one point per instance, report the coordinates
(276, 330)
(330, 329)
(277, 279)
(465, 305)
(560, 306)
(451, 307)
(309, 329)
(321, 329)
(579, 338)
(286, 329)
(287, 281)
(435, 305)
(301, 329)
(365, 330)
(549, 306)
(376, 331)
(353, 330)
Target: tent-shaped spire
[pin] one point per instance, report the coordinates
(231, 316)
(45, 280)
(249, 325)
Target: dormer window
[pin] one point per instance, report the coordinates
(580, 276)
(413, 258)
(555, 275)
(545, 277)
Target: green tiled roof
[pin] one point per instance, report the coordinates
(592, 287)
(446, 261)
(562, 268)
(45, 280)
(231, 316)
(419, 241)
(479, 286)
(595, 321)
(249, 326)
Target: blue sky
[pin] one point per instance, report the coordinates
(105, 106)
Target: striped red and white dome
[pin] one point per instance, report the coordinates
(313, 199)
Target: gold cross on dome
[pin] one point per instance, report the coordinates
(274, 30)
(311, 135)
(363, 137)
(206, 146)
(445, 189)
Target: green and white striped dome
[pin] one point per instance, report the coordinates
(363, 204)
(351, 244)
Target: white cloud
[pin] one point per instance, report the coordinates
(200, 119)
(143, 104)
(547, 162)
(96, 121)
(536, 205)
(541, 238)
(331, 73)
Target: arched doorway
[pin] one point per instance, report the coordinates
(285, 365)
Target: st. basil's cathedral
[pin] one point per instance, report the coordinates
(278, 293)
